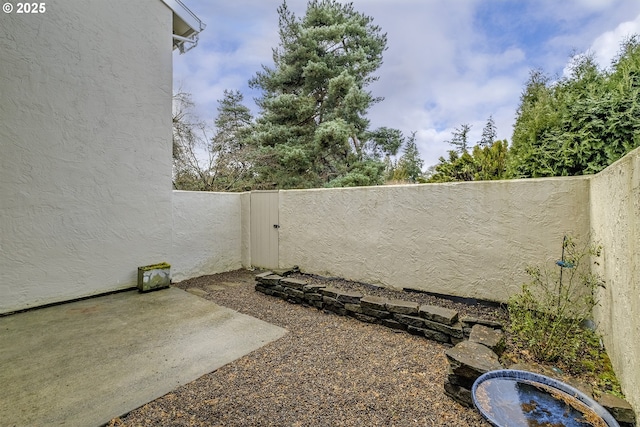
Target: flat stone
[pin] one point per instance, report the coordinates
(394, 324)
(619, 408)
(287, 271)
(312, 297)
(437, 336)
(470, 321)
(402, 307)
(332, 301)
(364, 318)
(456, 341)
(270, 280)
(197, 291)
(459, 394)
(349, 297)
(416, 322)
(313, 288)
(262, 275)
(380, 314)
(580, 385)
(453, 331)
(492, 338)
(438, 314)
(332, 304)
(375, 303)
(295, 293)
(353, 308)
(330, 292)
(293, 283)
(470, 360)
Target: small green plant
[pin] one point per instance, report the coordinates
(547, 317)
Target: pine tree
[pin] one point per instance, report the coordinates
(313, 129)
(409, 165)
(460, 138)
(489, 133)
(230, 146)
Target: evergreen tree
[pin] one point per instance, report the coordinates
(409, 165)
(481, 164)
(582, 123)
(491, 160)
(489, 133)
(231, 146)
(313, 129)
(458, 167)
(460, 138)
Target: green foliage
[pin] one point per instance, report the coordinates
(582, 123)
(313, 129)
(487, 160)
(489, 133)
(483, 163)
(546, 316)
(458, 167)
(460, 138)
(368, 172)
(491, 160)
(231, 145)
(408, 168)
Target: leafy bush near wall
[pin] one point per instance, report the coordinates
(549, 318)
(548, 315)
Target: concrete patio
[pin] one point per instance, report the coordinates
(86, 362)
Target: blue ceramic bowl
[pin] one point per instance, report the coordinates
(512, 398)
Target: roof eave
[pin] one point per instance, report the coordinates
(186, 26)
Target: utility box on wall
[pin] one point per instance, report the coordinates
(152, 277)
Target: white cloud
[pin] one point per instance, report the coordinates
(607, 45)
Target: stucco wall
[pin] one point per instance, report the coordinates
(615, 222)
(85, 165)
(210, 233)
(466, 239)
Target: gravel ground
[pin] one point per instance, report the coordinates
(327, 371)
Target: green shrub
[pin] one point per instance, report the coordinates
(547, 316)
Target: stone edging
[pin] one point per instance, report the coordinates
(433, 322)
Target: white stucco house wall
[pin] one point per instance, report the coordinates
(85, 145)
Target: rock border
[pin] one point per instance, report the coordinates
(433, 322)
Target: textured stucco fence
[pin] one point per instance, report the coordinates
(210, 233)
(464, 239)
(615, 223)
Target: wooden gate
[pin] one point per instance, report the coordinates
(264, 229)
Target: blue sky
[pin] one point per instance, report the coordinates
(448, 62)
